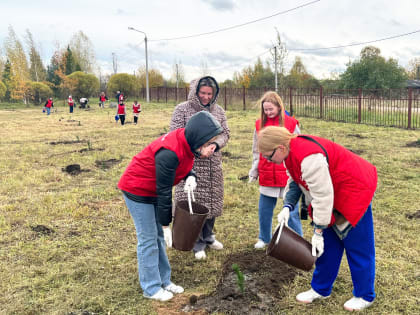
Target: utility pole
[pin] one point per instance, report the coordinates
(147, 67)
(275, 69)
(176, 65)
(114, 63)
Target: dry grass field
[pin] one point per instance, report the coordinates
(67, 242)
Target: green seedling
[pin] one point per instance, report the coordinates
(240, 277)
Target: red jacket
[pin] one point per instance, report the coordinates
(140, 176)
(271, 174)
(136, 109)
(49, 103)
(70, 101)
(354, 179)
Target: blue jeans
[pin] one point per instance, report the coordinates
(153, 263)
(48, 110)
(265, 213)
(360, 251)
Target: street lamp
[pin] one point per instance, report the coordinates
(147, 68)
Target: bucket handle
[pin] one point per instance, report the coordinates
(280, 227)
(189, 194)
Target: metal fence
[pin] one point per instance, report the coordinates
(395, 107)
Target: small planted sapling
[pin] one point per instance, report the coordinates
(240, 277)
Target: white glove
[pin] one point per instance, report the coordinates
(252, 179)
(283, 216)
(317, 244)
(167, 235)
(190, 186)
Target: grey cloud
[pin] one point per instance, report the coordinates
(224, 5)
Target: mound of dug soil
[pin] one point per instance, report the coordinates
(73, 169)
(415, 215)
(264, 280)
(106, 164)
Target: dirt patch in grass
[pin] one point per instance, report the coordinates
(264, 276)
(243, 178)
(42, 229)
(413, 144)
(231, 156)
(67, 142)
(356, 135)
(74, 169)
(415, 215)
(106, 164)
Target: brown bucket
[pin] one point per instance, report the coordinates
(187, 227)
(291, 248)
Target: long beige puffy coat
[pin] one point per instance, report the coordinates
(209, 191)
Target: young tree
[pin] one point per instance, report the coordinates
(3, 90)
(83, 52)
(299, 76)
(155, 77)
(372, 71)
(413, 69)
(71, 64)
(6, 76)
(54, 73)
(37, 71)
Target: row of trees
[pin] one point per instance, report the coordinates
(73, 70)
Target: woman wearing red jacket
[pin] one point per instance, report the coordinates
(272, 177)
(338, 187)
(147, 188)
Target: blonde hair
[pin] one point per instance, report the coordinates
(271, 137)
(276, 100)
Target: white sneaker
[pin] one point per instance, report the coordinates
(161, 295)
(200, 255)
(172, 287)
(216, 245)
(356, 304)
(309, 296)
(260, 244)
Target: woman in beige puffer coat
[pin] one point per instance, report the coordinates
(209, 192)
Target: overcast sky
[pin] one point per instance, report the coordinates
(323, 23)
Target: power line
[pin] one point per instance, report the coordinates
(241, 63)
(355, 44)
(235, 26)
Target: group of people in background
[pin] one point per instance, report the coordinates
(337, 184)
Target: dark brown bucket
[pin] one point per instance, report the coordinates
(187, 227)
(291, 248)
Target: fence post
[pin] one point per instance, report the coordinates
(410, 102)
(142, 92)
(243, 94)
(166, 94)
(320, 102)
(359, 106)
(158, 94)
(225, 97)
(291, 100)
(176, 94)
(186, 94)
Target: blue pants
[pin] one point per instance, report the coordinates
(153, 263)
(48, 110)
(206, 236)
(265, 213)
(71, 109)
(360, 251)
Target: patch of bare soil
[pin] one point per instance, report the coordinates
(90, 149)
(67, 142)
(106, 164)
(243, 178)
(414, 144)
(231, 156)
(264, 276)
(73, 169)
(415, 215)
(42, 229)
(356, 136)
(356, 151)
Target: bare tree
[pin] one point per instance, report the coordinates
(83, 51)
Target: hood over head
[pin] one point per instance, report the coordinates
(195, 87)
(200, 128)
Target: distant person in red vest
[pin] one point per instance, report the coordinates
(71, 103)
(147, 189)
(272, 177)
(102, 100)
(120, 98)
(121, 112)
(136, 111)
(338, 187)
(48, 105)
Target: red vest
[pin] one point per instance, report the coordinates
(271, 174)
(71, 102)
(103, 99)
(121, 109)
(354, 179)
(49, 103)
(140, 176)
(136, 109)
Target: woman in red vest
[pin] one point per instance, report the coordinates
(121, 112)
(102, 99)
(48, 104)
(136, 111)
(147, 188)
(338, 187)
(272, 177)
(71, 103)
